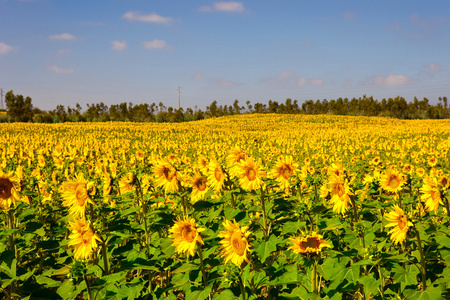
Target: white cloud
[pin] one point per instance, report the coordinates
(151, 18)
(432, 68)
(62, 36)
(197, 76)
(156, 44)
(119, 45)
(56, 69)
(287, 78)
(5, 49)
(348, 15)
(227, 83)
(229, 6)
(390, 80)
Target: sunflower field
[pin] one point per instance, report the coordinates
(259, 206)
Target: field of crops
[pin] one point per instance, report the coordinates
(243, 207)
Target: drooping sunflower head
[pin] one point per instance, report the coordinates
(126, 183)
(234, 244)
(308, 244)
(339, 191)
(400, 224)
(199, 188)
(166, 176)
(392, 181)
(216, 175)
(83, 238)
(185, 235)
(75, 195)
(9, 190)
(336, 170)
(444, 181)
(431, 193)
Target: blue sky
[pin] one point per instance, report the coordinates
(111, 51)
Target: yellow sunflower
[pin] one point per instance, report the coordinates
(444, 181)
(235, 157)
(199, 188)
(216, 176)
(249, 174)
(431, 193)
(185, 235)
(283, 171)
(340, 194)
(166, 176)
(83, 239)
(75, 195)
(9, 191)
(399, 221)
(126, 183)
(234, 243)
(311, 243)
(392, 181)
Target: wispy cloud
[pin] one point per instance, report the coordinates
(119, 45)
(227, 83)
(156, 44)
(348, 15)
(197, 76)
(432, 68)
(228, 6)
(287, 78)
(150, 18)
(5, 49)
(420, 22)
(56, 69)
(390, 80)
(62, 36)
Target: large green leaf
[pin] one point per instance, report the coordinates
(265, 248)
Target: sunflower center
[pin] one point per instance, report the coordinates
(5, 188)
(311, 242)
(240, 157)
(238, 243)
(402, 221)
(286, 171)
(201, 184)
(168, 174)
(218, 174)
(188, 233)
(250, 173)
(435, 195)
(81, 194)
(86, 236)
(341, 190)
(393, 182)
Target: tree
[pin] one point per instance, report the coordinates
(19, 109)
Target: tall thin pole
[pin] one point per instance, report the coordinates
(179, 92)
(1, 98)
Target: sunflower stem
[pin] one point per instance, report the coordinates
(105, 258)
(88, 287)
(422, 261)
(241, 285)
(447, 206)
(200, 254)
(263, 207)
(314, 277)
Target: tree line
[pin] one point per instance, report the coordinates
(20, 109)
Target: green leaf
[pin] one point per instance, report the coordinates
(225, 295)
(431, 293)
(186, 267)
(370, 285)
(265, 248)
(406, 276)
(290, 227)
(200, 295)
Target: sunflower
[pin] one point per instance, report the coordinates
(235, 157)
(216, 176)
(336, 169)
(83, 239)
(199, 188)
(444, 181)
(392, 181)
(399, 221)
(431, 193)
(75, 195)
(9, 191)
(283, 171)
(234, 243)
(203, 164)
(432, 161)
(126, 183)
(340, 194)
(166, 176)
(311, 243)
(249, 174)
(185, 236)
